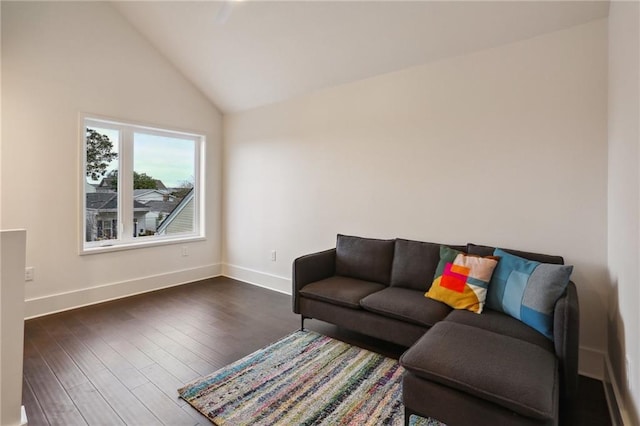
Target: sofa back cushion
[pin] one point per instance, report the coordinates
(415, 263)
(367, 259)
(538, 257)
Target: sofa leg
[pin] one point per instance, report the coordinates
(301, 322)
(407, 415)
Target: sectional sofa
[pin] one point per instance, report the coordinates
(462, 367)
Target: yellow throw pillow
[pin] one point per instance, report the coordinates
(463, 283)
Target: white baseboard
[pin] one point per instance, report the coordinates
(591, 362)
(613, 393)
(257, 278)
(45, 305)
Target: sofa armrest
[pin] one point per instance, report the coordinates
(310, 268)
(566, 330)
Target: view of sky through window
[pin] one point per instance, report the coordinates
(170, 160)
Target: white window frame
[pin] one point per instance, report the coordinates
(125, 216)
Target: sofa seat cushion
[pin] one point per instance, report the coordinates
(343, 291)
(406, 305)
(501, 323)
(512, 373)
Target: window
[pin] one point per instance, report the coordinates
(107, 229)
(141, 185)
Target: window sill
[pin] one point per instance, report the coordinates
(133, 245)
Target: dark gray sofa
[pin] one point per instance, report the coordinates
(462, 368)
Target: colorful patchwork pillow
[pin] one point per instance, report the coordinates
(461, 280)
(527, 290)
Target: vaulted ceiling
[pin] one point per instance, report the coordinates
(243, 55)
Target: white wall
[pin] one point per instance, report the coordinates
(60, 59)
(624, 205)
(506, 147)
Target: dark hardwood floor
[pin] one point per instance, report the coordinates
(122, 362)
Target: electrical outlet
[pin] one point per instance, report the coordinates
(185, 251)
(29, 273)
(273, 255)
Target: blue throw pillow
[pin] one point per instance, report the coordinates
(527, 290)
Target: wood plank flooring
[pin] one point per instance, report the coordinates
(122, 362)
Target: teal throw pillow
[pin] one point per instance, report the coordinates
(527, 290)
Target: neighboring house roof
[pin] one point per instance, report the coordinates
(160, 185)
(108, 201)
(141, 193)
(106, 182)
(177, 212)
(162, 206)
(102, 200)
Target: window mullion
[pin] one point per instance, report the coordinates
(198, 223)
(125, 190)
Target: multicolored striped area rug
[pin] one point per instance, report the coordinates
(304, 379)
